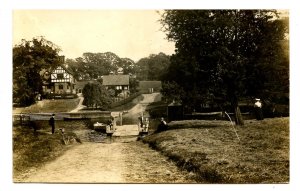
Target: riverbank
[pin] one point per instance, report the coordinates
(213, 151)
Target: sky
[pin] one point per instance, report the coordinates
(134, 34)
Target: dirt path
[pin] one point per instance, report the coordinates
(121, 160)
(140, 107)
(132, 162)
(79, 106)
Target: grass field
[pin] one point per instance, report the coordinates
(213, 152)
(49, 106)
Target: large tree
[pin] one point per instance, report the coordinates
(153, 67)
(225, 54)
(96, 96)
(29, 59)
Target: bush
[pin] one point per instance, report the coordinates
(126, 101)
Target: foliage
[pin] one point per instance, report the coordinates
(94, 65)
(172, 92)
(95, 95)
(127, 103)
(152, 67)
(226, 54)
(133, 84)
(29, 59)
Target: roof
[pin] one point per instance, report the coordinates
(149, 84)
(114, 80)
(82, 83)
(65, 68)
(174, 104)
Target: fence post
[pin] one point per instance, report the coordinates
(21, 119)
(121, 118)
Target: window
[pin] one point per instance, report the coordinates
(61, 87)
(125, 88)
(60, 76)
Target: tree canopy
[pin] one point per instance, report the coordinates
(225, 54)
(152, 67)
(94, 65)
(95, 95)
(29, 59)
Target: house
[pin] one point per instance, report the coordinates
(116, 83)
(59, 80)
(62, 81)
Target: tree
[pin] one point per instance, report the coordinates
(133, 84)
(94, 65)
(153, 67)
(95, 95)
(172, 92)
(227, 54)
(29, 59)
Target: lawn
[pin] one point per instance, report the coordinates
(212, 150)
(49, 106)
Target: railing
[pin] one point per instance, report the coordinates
(25, 118)
(21, 119)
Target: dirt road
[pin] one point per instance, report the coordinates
(120, 160)
(140, 107)
(131, 162)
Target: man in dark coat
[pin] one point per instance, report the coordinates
(258, 109)
(162, 126)
(52, 123)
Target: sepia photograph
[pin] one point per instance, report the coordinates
(197, 96)
(134, 95)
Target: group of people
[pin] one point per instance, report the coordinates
(144, 123)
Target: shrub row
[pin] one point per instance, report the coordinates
(126, 100)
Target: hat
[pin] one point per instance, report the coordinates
(256, 99)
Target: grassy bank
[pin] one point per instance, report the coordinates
(33, 149)
(213, 152)
(127, 104)
(49, 106)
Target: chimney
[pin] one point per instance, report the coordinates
(61, 59)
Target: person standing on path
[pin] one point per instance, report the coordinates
(258, 110)
(52, 123)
